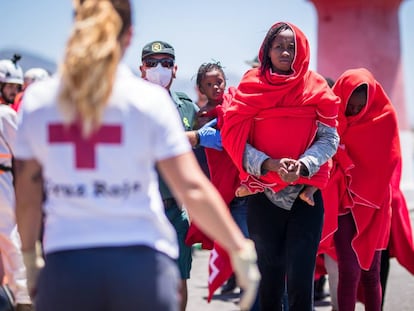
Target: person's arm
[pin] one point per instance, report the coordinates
(193, 138)
(322, 149)
(253, 161)
(29, 197)
(205, 205)
(207, 136)
(257, 163)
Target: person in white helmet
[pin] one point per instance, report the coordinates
(33, 75)
(11, 81)
(30, 76)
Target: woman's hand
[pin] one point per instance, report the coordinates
(290, 170)
(287, 169)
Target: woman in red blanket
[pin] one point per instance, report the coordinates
(370, 152)
(287, 116)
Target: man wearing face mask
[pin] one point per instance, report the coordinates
(158, 66)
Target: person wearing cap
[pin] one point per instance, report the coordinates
(158, 67)
(11, 81)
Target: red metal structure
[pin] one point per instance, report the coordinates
(363, 33)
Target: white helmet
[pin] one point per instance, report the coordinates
(35, 74)
(10, 71)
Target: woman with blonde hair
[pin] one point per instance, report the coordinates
(107, 242)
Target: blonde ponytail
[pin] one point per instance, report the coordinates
(89, 67)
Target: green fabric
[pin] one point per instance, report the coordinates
(187, 110)
(179, 219)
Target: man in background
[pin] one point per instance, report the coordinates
(159, 67)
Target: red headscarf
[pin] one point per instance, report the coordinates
(278, 115)
(371, 140)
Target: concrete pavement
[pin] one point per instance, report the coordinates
(399, 294)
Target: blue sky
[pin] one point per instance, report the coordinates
(229, 31)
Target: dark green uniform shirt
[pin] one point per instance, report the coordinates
(187, 110)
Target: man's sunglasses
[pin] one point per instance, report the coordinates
(153, 62)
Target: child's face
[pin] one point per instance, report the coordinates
(213, 85)
(282, 52)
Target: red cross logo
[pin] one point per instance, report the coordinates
(84, 147)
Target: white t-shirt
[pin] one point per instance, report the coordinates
(8, 127)
(104, 191)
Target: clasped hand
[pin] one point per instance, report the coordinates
(287, 169)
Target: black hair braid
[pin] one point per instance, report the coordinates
(207, 67)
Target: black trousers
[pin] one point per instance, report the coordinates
(286, 243)
(108, 279)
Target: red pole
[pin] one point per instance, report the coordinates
(363, 33)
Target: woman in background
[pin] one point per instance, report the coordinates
(369, 140)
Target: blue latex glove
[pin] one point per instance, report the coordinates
(209, 136)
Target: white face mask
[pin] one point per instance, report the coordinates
(159, 75)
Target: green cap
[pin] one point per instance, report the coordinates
(157, 47)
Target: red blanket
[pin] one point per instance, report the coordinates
(219, 269)
(223, 172)
(401, 245)
(334, 195)
(278, 115)
(224, 176)
(371, 141)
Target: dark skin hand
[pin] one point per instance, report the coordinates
(289, 170)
